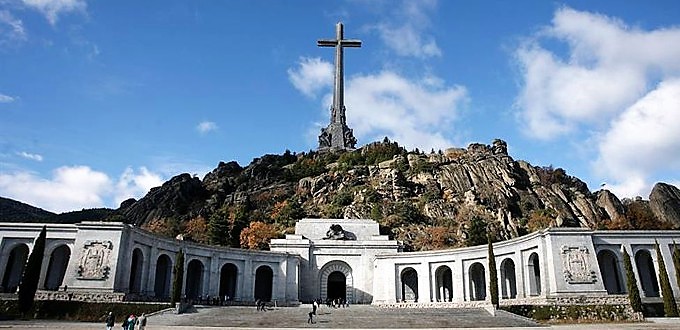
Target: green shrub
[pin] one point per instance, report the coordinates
(31, 275)
(178, 278)
(631, 283)
(669, 306)
(79, 310)
(493, 275)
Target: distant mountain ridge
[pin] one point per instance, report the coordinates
(426, 200)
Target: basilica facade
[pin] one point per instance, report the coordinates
(337, 259)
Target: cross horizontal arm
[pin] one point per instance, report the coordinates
(350, 43)
(326, 43)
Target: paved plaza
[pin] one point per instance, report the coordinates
(355, 317)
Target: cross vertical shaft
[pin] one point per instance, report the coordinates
(337, 135)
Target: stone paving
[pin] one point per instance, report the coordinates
(355, 317)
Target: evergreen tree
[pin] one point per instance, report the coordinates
(178, 278)
(631, 283)
(669, 306)
(476, 234)
(676, 263)
(29, 280)
(493, 275)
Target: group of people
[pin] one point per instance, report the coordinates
(337, 302)
(129, 322)
(261, 305)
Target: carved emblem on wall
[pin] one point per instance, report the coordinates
(576, 265)
(94, 264)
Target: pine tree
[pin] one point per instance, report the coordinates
(178, 278)
(493, 275)
(631, 283)
(669, 306)
(676, 263)
(29, 280)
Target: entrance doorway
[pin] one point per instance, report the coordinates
(337, 286)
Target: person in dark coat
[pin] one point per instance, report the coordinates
(110, 320)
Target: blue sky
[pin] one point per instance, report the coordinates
(102, 100)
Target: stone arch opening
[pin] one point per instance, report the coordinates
(611, 272)
(135, 284)
(409, 285)
(194, 283)
(264, 278)
(534, 268)
(444, 281)
(337, 286)
(508, 280)
(14, 268)
(330, 287)
(647, 273)
(228, 276)
(56, 267)
(163, 276)
(477, 282)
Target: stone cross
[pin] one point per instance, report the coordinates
(337, 135)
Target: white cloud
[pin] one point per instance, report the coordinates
(206, 126)
(31, 156)
(416, 113)
(70, 188)
(53, 8)
(405, 30)
(6, 98)
(642, 141)
(614, 85)
(311, 76)
(76, 187)
(135, 184)
(11, 30)
(608, 67)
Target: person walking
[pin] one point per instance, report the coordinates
(315, 305)
(110, 320)
(131, 322)
(141, 322)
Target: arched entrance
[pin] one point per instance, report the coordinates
(409, 285)
(14, 268)
(163, 275)
(136, 271)
(264, 278)
(508, 281)
(337, 286)
(194, 284)
(228, 275)
(534, 275)
(335, 279)
(647, 273)
(444, 281)
(477, 282)
(611, 274)
(56, 268)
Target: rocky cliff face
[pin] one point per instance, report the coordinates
(665, 203)
(415, 196)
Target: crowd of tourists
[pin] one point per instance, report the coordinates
(130, 322)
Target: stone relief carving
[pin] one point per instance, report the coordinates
(576, 265)
(94, 264)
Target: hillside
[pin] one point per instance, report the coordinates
(427, 200)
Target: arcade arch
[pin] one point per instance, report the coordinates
(56, 268)
(477, 282)
(534, 269)
(14, 268)
(409, 285)
(228, 277)
(163, 276)
(611, 273)
(647, 273)
(264, 278)
(444, 280)
(135, 284)
(508, 280)
(194, 283)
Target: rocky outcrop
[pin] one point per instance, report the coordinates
(180, 198)
(664, 201)
(611, 204)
